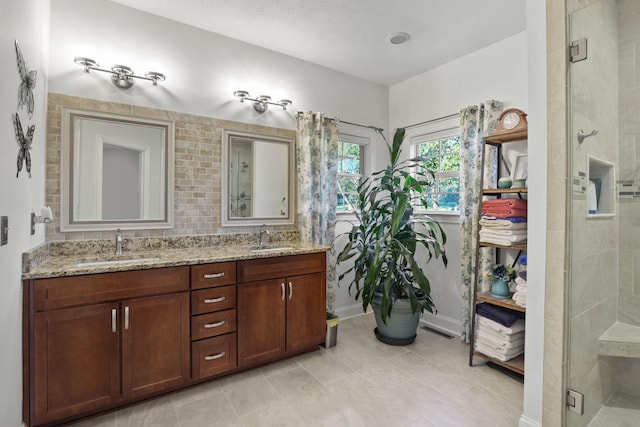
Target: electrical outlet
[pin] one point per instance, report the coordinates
(575, 402)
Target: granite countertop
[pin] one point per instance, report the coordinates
(68, 265)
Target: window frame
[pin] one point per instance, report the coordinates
(362, 137)
(432, 131)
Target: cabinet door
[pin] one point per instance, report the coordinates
(76, 360)
(155, 344)
(261, 321)
(306, 311)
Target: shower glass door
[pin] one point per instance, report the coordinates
(604, 224)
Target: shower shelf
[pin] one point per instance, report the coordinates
(621, 340)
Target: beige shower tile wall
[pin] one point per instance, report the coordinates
(629, 76)
(198, 168)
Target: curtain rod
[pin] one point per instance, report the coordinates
(349, 123)
(362, 126)
(450, 116)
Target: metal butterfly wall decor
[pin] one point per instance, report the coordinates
(24, 141)
(27, 82)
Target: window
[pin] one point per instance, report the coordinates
(350, 172)
(441, 148)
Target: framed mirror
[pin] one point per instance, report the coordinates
(257, 179)
(117, 172)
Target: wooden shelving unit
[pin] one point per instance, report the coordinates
(516, 364)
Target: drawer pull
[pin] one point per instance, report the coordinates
(214, 325)
(114, 321)
(215, 356)
(126, 318)
(214, 300)
(290, 290)
(282, 285)
(214, 275)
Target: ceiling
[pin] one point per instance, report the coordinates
(351, 36)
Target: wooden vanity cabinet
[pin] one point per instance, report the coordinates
(213, 319)
(100, 340)
(281, 306)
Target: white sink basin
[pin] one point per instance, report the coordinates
(272, 249)
(88, 263)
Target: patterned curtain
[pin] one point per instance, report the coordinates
(316, 164)
(476, 122)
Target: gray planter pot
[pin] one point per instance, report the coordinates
(401, 325)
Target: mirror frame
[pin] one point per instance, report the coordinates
(68, 141)
(227, 220)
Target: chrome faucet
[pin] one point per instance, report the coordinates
(263, 236)
(118, 242)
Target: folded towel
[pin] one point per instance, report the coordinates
(496, 341)
(498, 349)
(501, 224)
(498, 233)
(503, 316)
(505, 203)
(496, 355)
(499, 336)
(518, 326)
(504, 212)
(520, 281)
(514, 219)
(502, 240)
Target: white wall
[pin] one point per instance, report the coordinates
(28, 22)
(485, 74)
(202, 69)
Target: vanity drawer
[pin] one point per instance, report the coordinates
(252, 270)
(210, 275)
(213, 324)
(61, 292)
(213, 299)
(213, 356)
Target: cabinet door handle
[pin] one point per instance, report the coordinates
(215, 356)
(114, 320)
(213, 275)
(282, 285)
(126, 317)
(214, 325)
(290, 290)
(214, 300)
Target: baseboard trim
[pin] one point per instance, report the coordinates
(349, 311)
(528, 422)
(444, 324)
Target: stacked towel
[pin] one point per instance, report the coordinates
(504, 208)
(497, 340)
(520, 295)
(503, 231)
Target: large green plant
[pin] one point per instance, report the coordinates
(383, 244)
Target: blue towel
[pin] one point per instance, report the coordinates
(501, 315)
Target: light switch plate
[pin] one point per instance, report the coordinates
(4, 230)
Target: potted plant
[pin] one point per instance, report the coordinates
(500, 275)
(382, 246)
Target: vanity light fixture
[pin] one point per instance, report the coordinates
(261, 103)
(121, 75)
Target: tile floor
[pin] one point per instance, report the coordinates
(360, 382)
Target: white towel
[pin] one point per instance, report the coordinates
(501, 240)
(490, 339)
(499, 336)
(489, 351)
(502, 224)
(522, 289)
(520, 281)
(518, 326)
(500, 232)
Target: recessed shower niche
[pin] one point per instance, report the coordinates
(601, 184)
